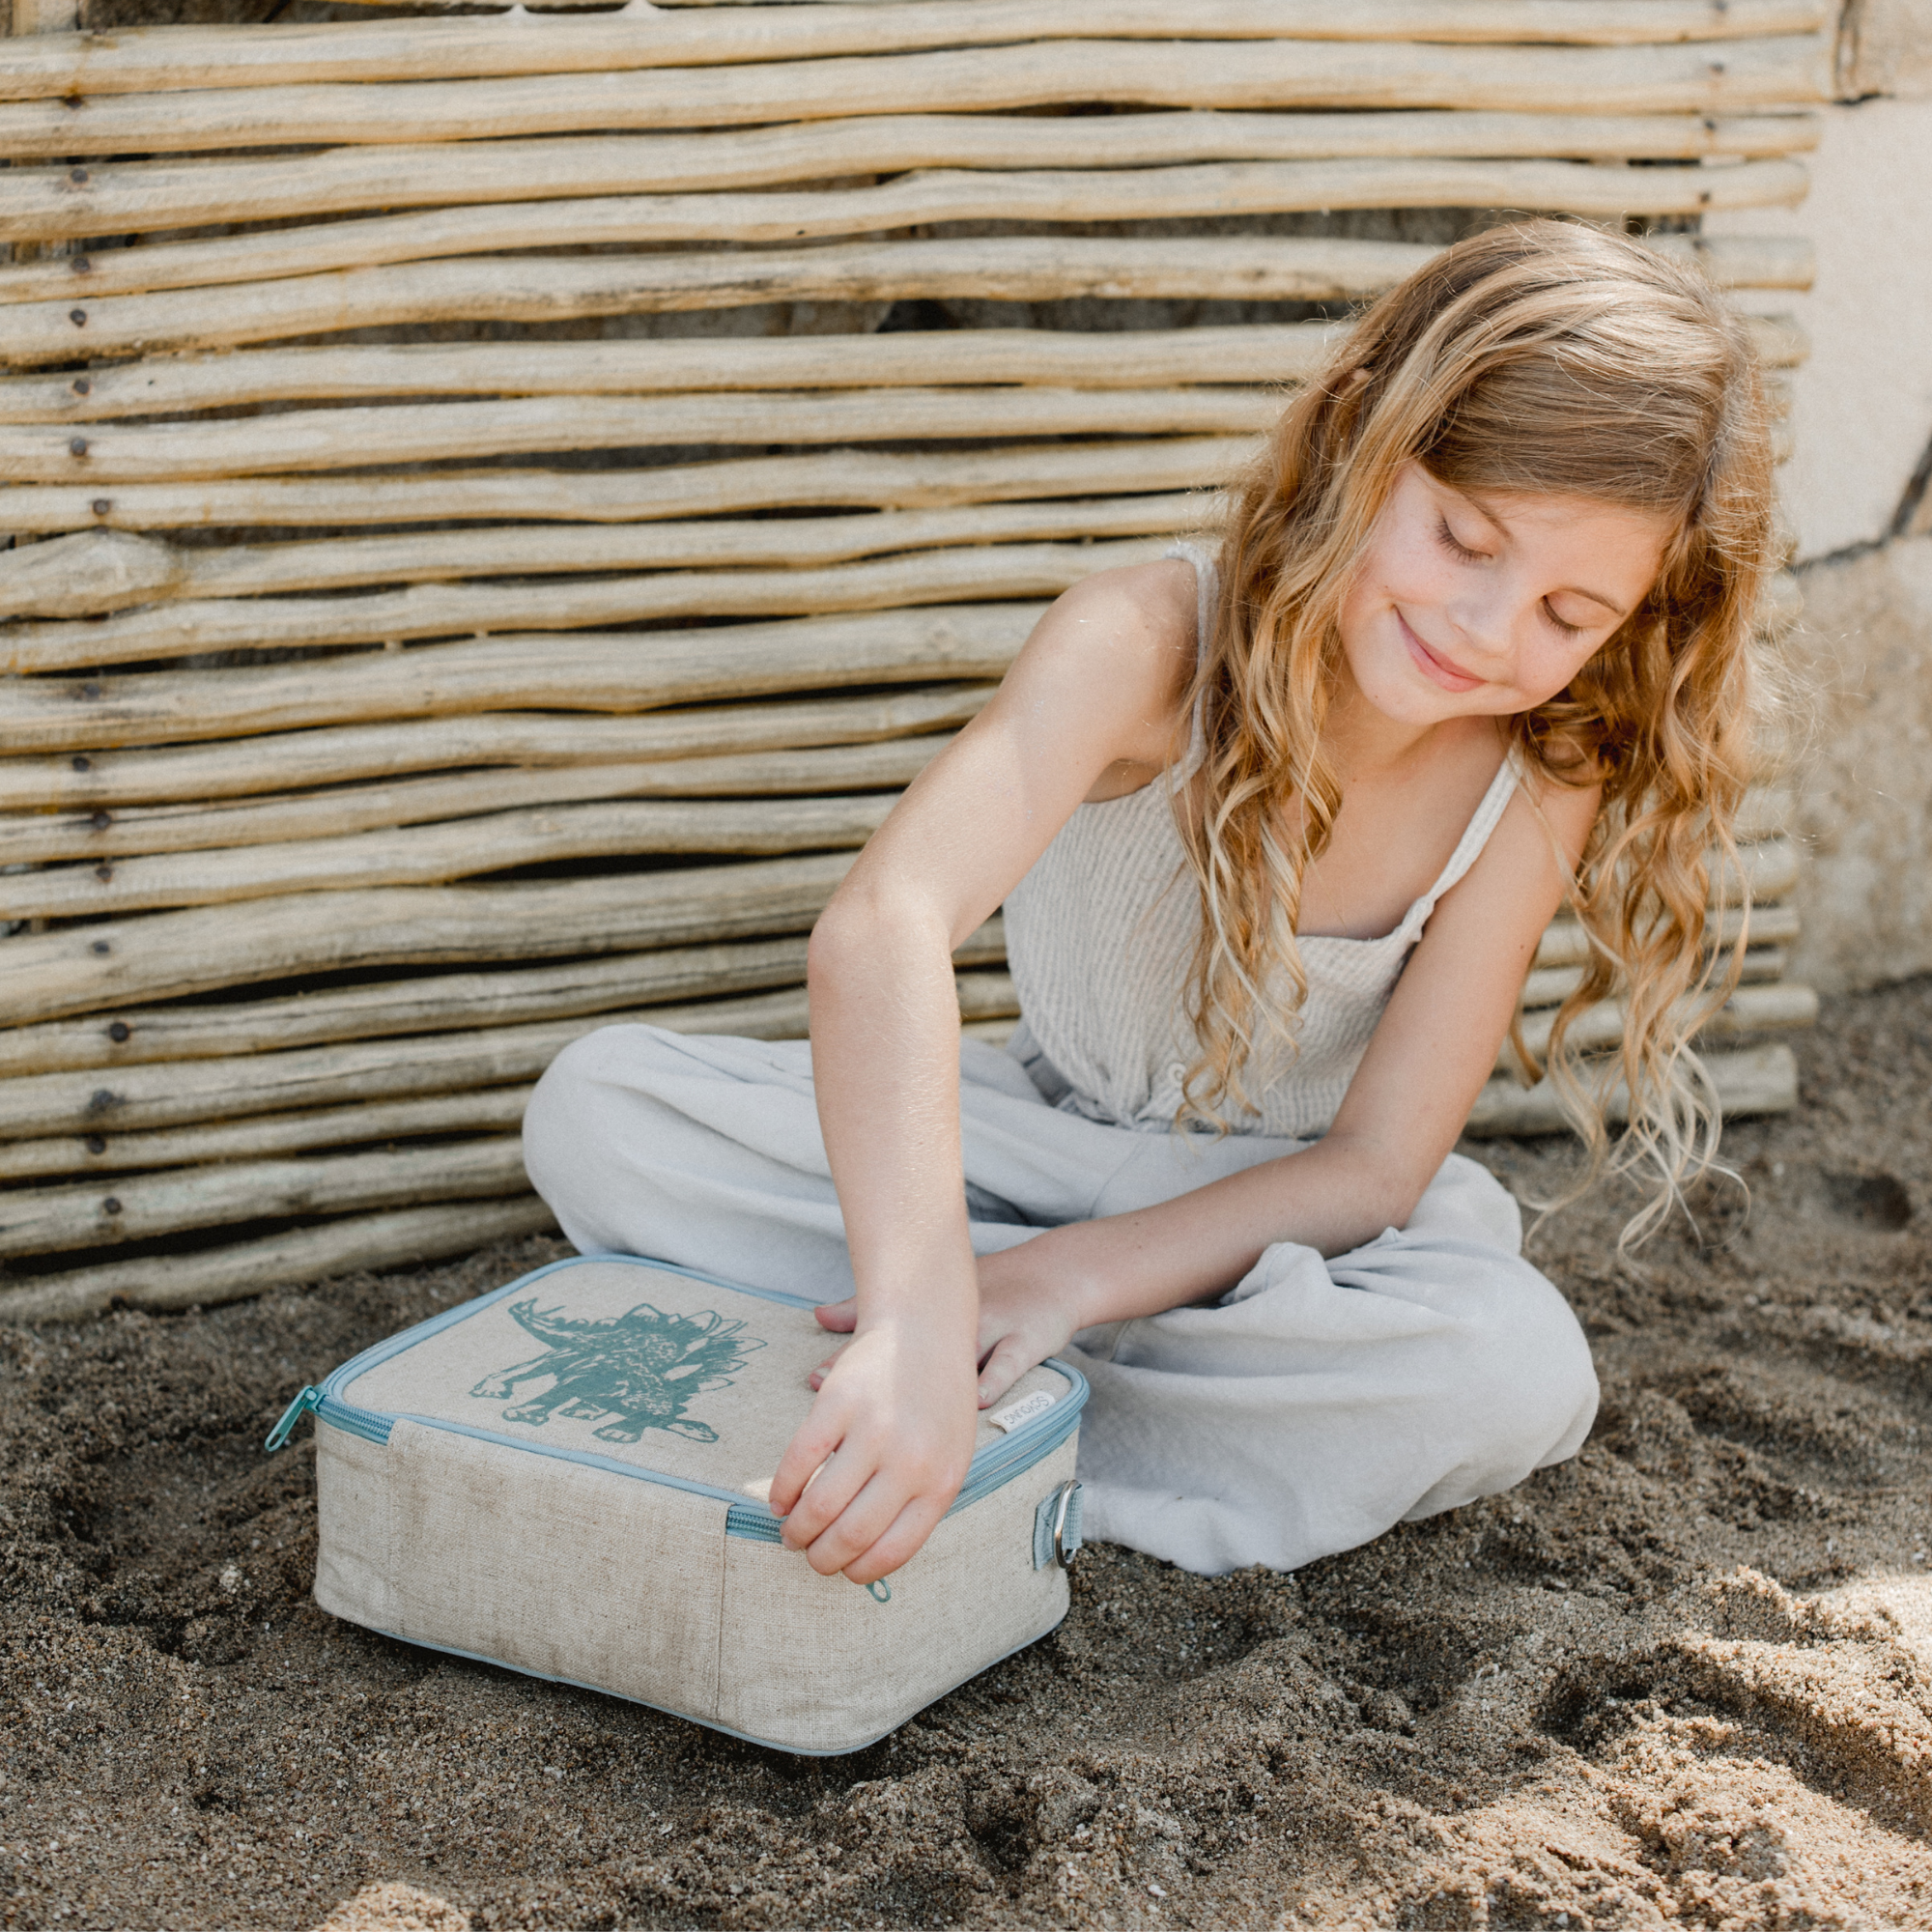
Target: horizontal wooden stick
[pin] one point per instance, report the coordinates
(1563, 943)
(39, 1221)
(425, 855)
(1149, 358)
(122, 198)
(182, 1092)
(488, 1110)
(546, 289)
(334, 438)
(1213, 190)
(1552, 986)
(146, 60)
(1774, 1009)
(444, 610)
(1760, 1080)
(886, 480)
(109, 781)
(436, 1003)
(1767, 71)
(553, 289)
(96, 836)
(1258, 353)
(177, 955)
(112, 570)
(625, 672)
(404, 1237)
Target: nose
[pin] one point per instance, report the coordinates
(1484, 616)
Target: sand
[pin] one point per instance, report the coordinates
(1685, 1679)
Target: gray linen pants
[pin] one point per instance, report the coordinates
(1314, 1405)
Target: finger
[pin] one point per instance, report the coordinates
(901, 1542)
(826, 1497)
(1002, 1369)
(859, 1525)
(816, 1379)
(841, 1316)
(818, 1436)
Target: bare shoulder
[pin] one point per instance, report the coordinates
(1568, 808)
(1120, 645)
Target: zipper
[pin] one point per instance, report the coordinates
(993, 1467)
(368, 1422)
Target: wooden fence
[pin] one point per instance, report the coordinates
(501, 505)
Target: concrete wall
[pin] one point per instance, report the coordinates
(1856, 494)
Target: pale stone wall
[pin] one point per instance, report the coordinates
(1855, 495)
(1862, 804)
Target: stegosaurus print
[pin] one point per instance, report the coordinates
(641, 1369)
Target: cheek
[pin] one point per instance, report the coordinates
(1548, 670)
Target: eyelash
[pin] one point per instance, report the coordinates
(1446, 537)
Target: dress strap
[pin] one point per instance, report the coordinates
(1203, 557)
(1206, 577)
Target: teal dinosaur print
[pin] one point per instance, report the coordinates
(641, 1369)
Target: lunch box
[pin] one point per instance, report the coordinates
(568, 1477)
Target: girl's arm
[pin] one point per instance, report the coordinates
(1434, 1048)
(889, 1440)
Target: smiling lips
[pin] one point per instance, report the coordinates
(1438, 670)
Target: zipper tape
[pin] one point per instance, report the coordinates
(994, 1465)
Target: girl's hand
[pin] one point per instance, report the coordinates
(880, 1458)
(1032, 1299)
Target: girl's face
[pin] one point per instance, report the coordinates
(1478, 608)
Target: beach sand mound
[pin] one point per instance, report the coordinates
(1683, 1680)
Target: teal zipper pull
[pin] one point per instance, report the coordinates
(310, 1397)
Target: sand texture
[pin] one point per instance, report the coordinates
(1685, 1680)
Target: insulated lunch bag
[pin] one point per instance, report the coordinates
(569, 1477)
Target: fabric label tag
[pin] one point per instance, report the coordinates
(1036, 1404)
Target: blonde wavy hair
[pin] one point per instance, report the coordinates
(1542, 358)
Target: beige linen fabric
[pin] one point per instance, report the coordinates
(969, 1598)
(1100, 937)
(526, 1552)
(545, 1564)
(1320, 1402)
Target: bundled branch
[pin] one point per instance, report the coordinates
(842, 477)
(103, 570)
(1257, 353)
(156, 60)
(460, 848)
(1759, 72)
(1758, 1080)
(1085, 195)
(334, 438)
(173, 954)
(487, 1110)
(572, 671)
(161, 1282)
(181, 1092)
(271, 817)
(438, 1002)
(49, 1221)
(444, 610)
(712, 739)
(542, 289)
(119, 198)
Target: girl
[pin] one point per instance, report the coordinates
(1276, 829)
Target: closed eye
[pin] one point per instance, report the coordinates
(1446, 537)
(1568, 630)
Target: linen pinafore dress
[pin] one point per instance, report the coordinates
(1319, 1401)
